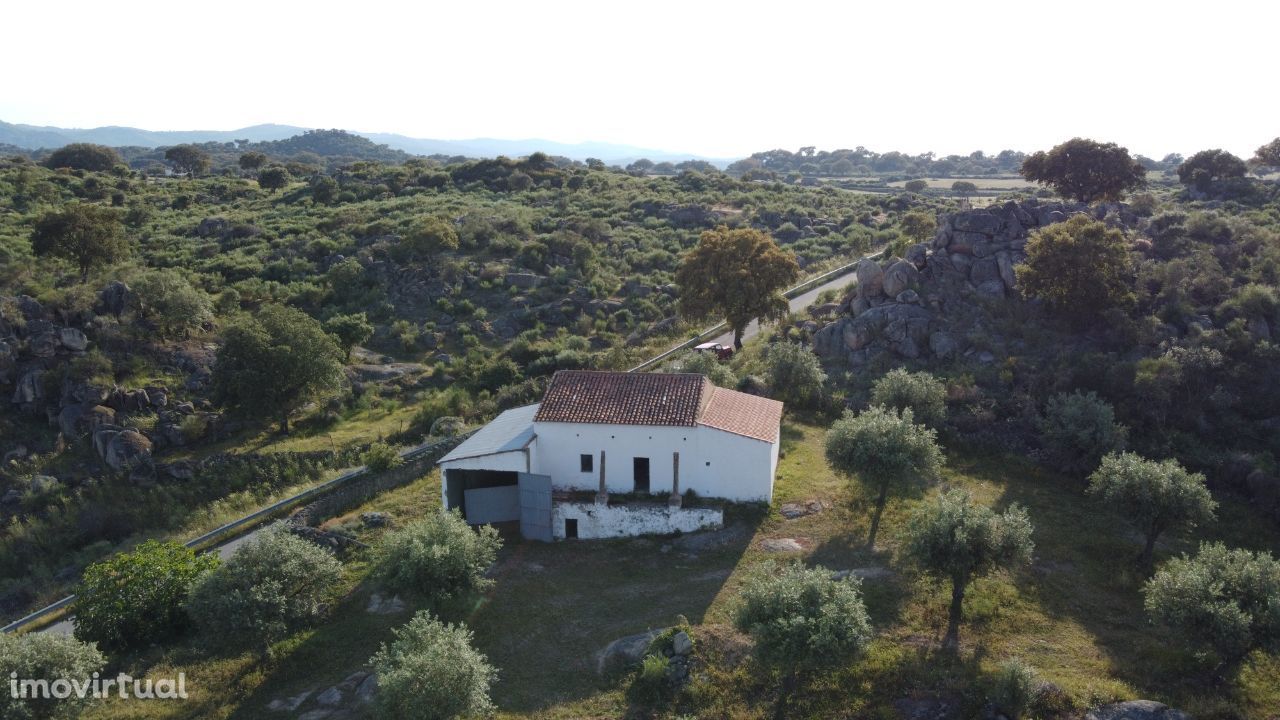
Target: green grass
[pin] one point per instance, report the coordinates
(1075, 614)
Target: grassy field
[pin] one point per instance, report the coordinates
(1075, 614)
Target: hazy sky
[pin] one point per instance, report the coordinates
(714, 78)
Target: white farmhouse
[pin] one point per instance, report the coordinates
(650, 437)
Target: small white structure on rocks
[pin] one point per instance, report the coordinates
(651, 438)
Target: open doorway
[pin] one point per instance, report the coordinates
(640, 474)
(571, 528)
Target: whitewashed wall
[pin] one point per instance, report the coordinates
(601, 521)
(740, 468)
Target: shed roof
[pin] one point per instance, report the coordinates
(509, 432)
(743, 414)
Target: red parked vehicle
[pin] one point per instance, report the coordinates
(722, 352)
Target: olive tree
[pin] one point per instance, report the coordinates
(431, 671)
(88, 235)
(1152, 496)
(273, 584)
(1221, 602)
(794, 374)
(883, 448)
(1077, 429)
(274, 362)
(737, 274)
(438, 557)
(920, 392)
(44, 657)
(802, 621)
(952, 538)
(137, 598)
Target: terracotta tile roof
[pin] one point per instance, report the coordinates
(587, 396)
(743, 414)
(619, 398)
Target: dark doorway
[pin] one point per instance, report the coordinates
(640, 471)
(571, 528)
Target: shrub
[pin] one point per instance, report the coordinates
(651, 684)
(349, 330)
(171, 304)
(272, 585)
(794, 374)
(431, 671)
(802, 620)
(1080, 268)
(137, 598)
(707, 364)
(1078, 429)
(1152, 496)
(882, 448)
(1014, 688)
(438, 557)
(922, 393)
(381, 457)
(48, 657)
(1220, 602)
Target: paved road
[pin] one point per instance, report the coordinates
(798, 303)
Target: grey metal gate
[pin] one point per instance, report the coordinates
(535, 506)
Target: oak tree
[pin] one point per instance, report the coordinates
(738, 274)
(88, 235)
(1086, 170)
(188, 159)
(1203, 168)
(1080, 268)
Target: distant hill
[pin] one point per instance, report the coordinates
(33, 137)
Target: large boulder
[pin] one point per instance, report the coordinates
(126, 449)
(977, 221)
(1004, 263)
(1136, 710)
(524, 281)
(870, 277)
(73, 339)
(115, 299)
(44, 345)
(983, 270)
(943, 344)
(29, 389)
(78, 420)
(624, 652)
(900, 276)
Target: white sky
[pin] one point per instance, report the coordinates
(714, 78)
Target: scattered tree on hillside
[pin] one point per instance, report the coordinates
(964, 188)
(349, 330)
(432, 671)
(1077, 430)
(919, 225)
(954, 539)
(794, 374)
(883, 448)
(916, 186)
(738, 274)
(1085, 170)
(1221, 602)
(274, 362)
(84, 156)
(803, 621)
(45, 656)
(1203, 168)
(921, 393)
(252, 160)
(188, 159)
(88, 235)
(1152, 496)
(273, 584)
(324, 189)
(1079, 268)
(136, 598)
(170, 303)
(1268, 155)
(273, 178)
(430, 236)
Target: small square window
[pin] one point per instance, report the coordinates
(708, 463)
(586, 462)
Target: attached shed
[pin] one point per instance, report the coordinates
(481, 477)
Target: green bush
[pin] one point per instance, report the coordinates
(170, 303)
(1152, 496)
(137, 598)
(707, 364)
(1077, 430)
(438, 557)
(431, 671)
(381, 457)
(48, 657)
(920, 392)
(1014, 688)
(794, 374)
(272, 585)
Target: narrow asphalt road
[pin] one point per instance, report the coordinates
(797, 303)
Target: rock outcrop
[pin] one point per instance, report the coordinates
(925, 304)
